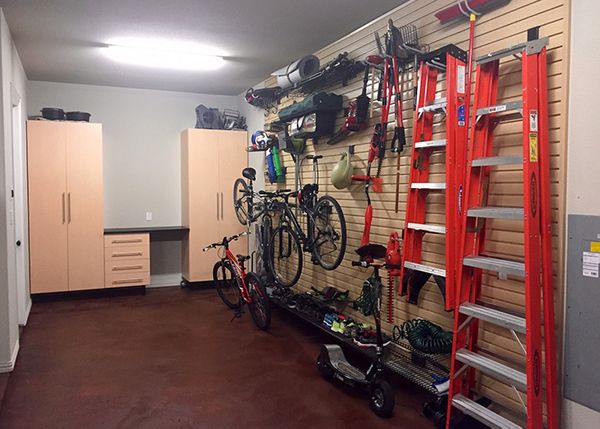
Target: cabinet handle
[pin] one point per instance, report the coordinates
(69, 204)
(217, 206)
(121, 255)
(128, 268)
(137, 240)
(63, 208)
(221, 205)
(124, 282)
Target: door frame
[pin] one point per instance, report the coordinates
(19, 195)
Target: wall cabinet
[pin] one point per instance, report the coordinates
(211, 161)
(66, 206)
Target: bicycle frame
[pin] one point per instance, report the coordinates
(239, 271)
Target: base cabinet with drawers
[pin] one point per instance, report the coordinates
(126, 260)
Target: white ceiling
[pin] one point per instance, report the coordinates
(59, 40)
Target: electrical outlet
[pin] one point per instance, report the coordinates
(148, 216)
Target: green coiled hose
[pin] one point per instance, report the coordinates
(424, 336)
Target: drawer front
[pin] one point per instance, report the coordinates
(126, 279)
(126, 240)
(123, 253)
(117, 265)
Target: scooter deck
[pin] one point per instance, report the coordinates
(340, 364)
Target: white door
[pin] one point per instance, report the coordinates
(18, 205)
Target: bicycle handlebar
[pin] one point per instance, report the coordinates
(366, 264)
(226, 240)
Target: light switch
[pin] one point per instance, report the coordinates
(148, 216)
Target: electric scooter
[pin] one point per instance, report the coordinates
(332, 362)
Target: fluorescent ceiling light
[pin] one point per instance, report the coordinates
(163, 54)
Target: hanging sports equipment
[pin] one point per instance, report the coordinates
(449, 60)
(297, 70)
(468, 356)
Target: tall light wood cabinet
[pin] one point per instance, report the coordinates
(211, 160)
(66, 206)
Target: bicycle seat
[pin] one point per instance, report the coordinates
(242, 258)
(249, 173)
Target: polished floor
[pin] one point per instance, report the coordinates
(173, 358)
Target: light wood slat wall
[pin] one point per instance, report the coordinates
(495, 30)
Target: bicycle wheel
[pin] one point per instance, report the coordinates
(241, 200)
(329, 233)
(226, 285)
(285, 258)
(259, 308)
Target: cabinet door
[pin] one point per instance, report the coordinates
(233, 159)
(202, 202)
(85, 206)
(46, 161)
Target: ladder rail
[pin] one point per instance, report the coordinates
(537, 266)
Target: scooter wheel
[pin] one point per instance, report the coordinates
(382, 400)
(324, 367)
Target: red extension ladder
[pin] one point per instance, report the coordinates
(536, 269)
(414, 272)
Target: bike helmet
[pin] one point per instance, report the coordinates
(341, 175)
(260, 140)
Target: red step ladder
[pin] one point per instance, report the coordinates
(468, 358)
(414, 272)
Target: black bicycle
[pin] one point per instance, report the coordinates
(325, 226)
(325, 236)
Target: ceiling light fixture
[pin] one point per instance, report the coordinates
(163, 54)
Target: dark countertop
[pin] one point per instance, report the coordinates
(142, 229)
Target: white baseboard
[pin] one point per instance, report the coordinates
(10, 365)
(165, 280)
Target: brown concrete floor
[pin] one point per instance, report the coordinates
(173, 359)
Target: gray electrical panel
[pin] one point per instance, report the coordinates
(582, 329)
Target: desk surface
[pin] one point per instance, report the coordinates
(146, 229)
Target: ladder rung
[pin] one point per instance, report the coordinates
(482, 414)
(515, 213)
(497, 160)
(425, 269)
(439, 104)
(500, 108)
(494, 264)
(497, 317)
(430, 143)
(428, 185)
(493, 368)
(437, 229)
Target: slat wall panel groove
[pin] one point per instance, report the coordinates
(495, 30)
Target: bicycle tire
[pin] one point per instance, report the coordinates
(226, 285)
(240, 201)
(318, 250)
(259, 308)
(280, 253)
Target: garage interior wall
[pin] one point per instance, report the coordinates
(13, 80)
(141, 143)
(582, 184)
(494, 30)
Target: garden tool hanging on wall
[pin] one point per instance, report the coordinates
(356, 119)
(393, 259)
(401, 45)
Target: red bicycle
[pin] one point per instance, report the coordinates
(236, 287)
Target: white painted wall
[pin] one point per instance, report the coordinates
(255, 118)
(142, 164)
(583, 155)
(11, 74)
(141, 128)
